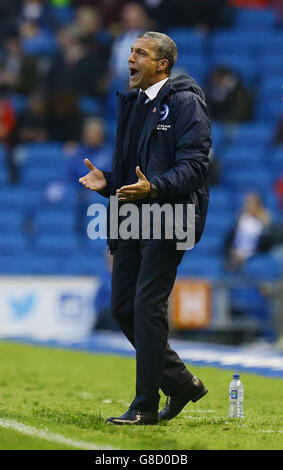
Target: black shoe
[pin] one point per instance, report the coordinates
(192, 391)
(136, 417)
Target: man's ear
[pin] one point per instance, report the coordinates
(163, 65)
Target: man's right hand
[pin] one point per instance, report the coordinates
(95, 179)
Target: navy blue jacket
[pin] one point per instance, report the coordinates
(173, 147)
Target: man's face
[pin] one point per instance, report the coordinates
(143, 64)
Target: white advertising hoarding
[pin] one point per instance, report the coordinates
(47, 307)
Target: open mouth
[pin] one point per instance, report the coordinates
(134, 73)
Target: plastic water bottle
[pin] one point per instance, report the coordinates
(236, 398)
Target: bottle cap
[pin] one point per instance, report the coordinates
(236, 376)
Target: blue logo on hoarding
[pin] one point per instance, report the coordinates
(71, 306)
(22, 307)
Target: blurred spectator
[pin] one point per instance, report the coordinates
(134, 20)
(93, 146)
(278, 138)
(162, 12)
(9, 11)
(7, 121)
(253, 233)
(76, 67)
(38, 12)
(32, 122)
(228, 99)
(109, 9)
(243, 240)
(279, 191)
(18, 72)
(204, 14)
(250, 3)
(64, 117)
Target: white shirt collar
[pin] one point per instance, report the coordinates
(153, 90)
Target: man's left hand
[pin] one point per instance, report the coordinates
(139, 190)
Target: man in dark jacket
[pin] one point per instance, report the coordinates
(163, 141)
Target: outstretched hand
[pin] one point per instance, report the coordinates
(95, 179)
(139, 190)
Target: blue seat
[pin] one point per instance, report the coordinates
(50, 221)
(271, 43)
(4, 177)
(243, 64)
(249, 18)
(219, 224)
(19, 102)
(62, 14)
(43, 154)
(270, 64)
(263, 267)
(260, 179)
(272, 86)
(12, 243)
(57, 244)
(205, 268)
(269, 108)
(254, 134)
(188, 40)
(220, 199)
(276, 160)
(234, 42)
(85, 264)
(89, 105)
(29, 264)
(38, 176)
(18, 197)
(43, 44)
(247, 157)
(11, 221)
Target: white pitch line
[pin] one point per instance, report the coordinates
(50, 436)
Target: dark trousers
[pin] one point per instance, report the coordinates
(144, 272)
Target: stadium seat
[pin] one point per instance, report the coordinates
(253, 134)
(269, 108)
(270, 64)
(264, 267)
(248, 157)
(43, 44)
(272, 86)
(59, 244)
(272, 42)
(188, 40)
(276, 160)
(12, 243)
(19, 198)
(260, 180)
(219, 224)
(4, 177)
(219, 200)
(249, 18)
(243, 64)
(38, 176)
(234, 42)
(206, 268)
(11, 221)
(85, 264)
(50, 221)
(89, 105)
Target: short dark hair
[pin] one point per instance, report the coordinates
(165, 47)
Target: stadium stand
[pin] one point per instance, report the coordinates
(39, 234)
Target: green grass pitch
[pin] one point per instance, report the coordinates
(63, 398)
